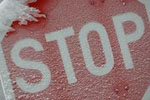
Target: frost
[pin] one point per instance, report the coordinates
(16, 10)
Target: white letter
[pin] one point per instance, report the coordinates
(125, 39)
(60, 37)
(26, 64)
(147, 6)
(100, 29)
(147, 94)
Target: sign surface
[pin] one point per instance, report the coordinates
(83, 50)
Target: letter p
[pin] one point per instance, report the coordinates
(125, 39)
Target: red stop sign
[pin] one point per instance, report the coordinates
(83, 50)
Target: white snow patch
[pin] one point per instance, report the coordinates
(16, 10)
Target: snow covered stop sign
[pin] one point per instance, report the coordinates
(82, 50)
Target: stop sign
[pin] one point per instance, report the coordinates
(83, 50)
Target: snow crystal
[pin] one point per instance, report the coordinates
(16, 10)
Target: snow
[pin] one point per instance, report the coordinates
(16, 10)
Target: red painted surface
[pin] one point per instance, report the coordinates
(119, 84)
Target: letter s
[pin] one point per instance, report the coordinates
(26, 64)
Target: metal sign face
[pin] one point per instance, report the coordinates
(83, 50)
